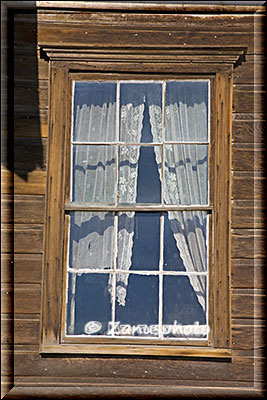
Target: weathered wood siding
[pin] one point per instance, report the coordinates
(23, 219)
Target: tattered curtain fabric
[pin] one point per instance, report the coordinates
(186, 175)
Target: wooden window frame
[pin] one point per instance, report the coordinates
(216, 64)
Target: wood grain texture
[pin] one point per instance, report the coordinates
(248, 214)
(33, 364)
(182, 22)
(23, 182)
(130, 391)
(248, 157)
(141, 6)
(30, 96)
(31, 128)
(248, 185)
(21, 299)
(249, 131)
(21, 268)
(250, 72)
(27, 238)
(26, 331)
(248, 243)
(52, 34)
(249, 98)
(247, 273)
(23, 209)
(248, 337)
(248, 305)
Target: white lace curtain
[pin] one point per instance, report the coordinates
(185, 178)
(185, 173)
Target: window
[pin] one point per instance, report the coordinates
(137, 242)
(137, 264)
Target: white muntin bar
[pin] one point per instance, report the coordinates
(135, 272)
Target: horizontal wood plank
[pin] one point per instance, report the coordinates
(23, 209)
(21, 268)
(141, 6)
(248, 337)
(29, 96)
(248, 243)
(51, 35)
(247, 273)
(248, 157)
(248, 305)
(21, 299)
(24, 182)
(27, 238)
(248, 214)
(21, 331)
(248, 98)
(251, 71)
(248, 185)
(29, 66)
(34, 364)
(249, 131)
(131, 391)
(31, 128)
(184, 22)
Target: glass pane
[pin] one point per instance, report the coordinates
(186, 111)
(139, 174)
(91, 240)
(138, 241)
(93, 174)
(141, 306)
(185, 241)
(186, 174)
(89, 304)
(140, 112)
(184, 304)
(94, 112)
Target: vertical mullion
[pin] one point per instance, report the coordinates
(114, 280)
(113, 297)
(163, 141)
(117, 141)
(161, 274)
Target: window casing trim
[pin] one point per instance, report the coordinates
(51, 341)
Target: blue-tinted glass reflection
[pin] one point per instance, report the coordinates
(184, 301)
(139, 175)
(141, 305)
(185, 241)
(94, 111)
(140, 112)
(186, 174)
(93, 175)
(138, 241)
(89, 304)
(91, 240)
(186, 111)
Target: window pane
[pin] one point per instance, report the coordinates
(138, 241)
(140, 112)
(94, 110)
(186, 111)
(139, 175)
(89, 304)
(91, 240)
(185, 241)
(186, 174)
(141, 305)
(93, 174)
(184, 303)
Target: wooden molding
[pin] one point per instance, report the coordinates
(232, 56)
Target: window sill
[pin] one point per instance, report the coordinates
(137, 350)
